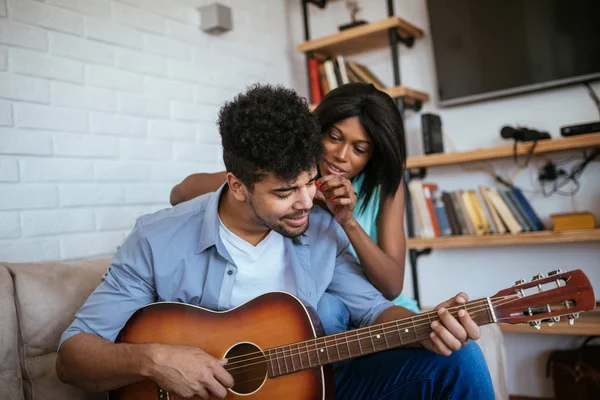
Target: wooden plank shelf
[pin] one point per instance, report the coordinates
(359, 39)
(411, 96)
(506, 151)
(576, 236)
(587, 324)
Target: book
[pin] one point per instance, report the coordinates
(343, 73)
(513, 209)
(365, 74)
(531, 227)
(483, 221)
(330, 72)
(528, 209)
(441, 214)
(573, 221)
(428, 189)
(451, 212)
(420, 211)
(497, 221)
(460, 212)
(507, 217)
(315, 81)
(323, 79)
(470, 215)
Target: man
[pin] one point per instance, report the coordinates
(258, 233)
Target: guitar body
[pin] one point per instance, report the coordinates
(271, 320)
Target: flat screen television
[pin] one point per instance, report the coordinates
(492, 48)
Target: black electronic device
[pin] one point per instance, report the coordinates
(433, 141)
(581, 129)
(522, 134)
(491, 49)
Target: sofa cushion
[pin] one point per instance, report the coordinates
(47, 297)
(10, 368)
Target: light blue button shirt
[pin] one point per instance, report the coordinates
(177, 255)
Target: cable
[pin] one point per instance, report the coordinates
(560, 180)
(529, 153)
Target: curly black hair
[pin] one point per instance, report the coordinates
(269, 129)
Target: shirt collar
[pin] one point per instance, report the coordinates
(210, 225)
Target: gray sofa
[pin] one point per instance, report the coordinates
(37, 303)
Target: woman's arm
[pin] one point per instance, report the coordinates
(383, 263)
(196, 185)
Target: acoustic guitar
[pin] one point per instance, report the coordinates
(274, 352)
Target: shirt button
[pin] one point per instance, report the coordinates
(230, 272)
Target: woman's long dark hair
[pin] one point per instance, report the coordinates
(382, 121)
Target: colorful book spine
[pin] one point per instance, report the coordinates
(315, 80)
(451, 212)
(529, 211)
(428, 189)
(514, 211)
(460, 212)
(440, 214)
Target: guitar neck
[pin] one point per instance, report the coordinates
(318, 352)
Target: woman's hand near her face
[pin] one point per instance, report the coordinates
(338, 194)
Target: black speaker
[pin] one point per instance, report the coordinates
(433, 142)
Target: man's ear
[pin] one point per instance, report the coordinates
(239, 190)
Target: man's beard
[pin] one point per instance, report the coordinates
(278, 226)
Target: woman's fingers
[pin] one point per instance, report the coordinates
(330, 182)
(342, 191)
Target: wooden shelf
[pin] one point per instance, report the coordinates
(587, 324)
(359, 39)
(584, 235)
(543, 146)
(411, 96)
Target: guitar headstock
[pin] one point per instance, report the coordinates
(545, 299)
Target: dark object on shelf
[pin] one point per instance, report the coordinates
(581, 129)
(433, 141)
(575, 372)
(353, 8)
(522, 134)
(352, 25)
(491, 49)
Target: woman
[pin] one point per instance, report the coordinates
(360, 183)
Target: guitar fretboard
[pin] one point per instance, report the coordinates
(359, 342)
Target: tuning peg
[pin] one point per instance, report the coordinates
(538, 276)
(520, 282)
(553, 320)
(537, 324)
(571, 320)
(555, 272)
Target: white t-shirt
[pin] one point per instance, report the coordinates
(260, 269)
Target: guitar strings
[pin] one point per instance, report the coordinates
(358, 335)
(504, 301)
(357, 332)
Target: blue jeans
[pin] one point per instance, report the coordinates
(334, 314)
(406, 373)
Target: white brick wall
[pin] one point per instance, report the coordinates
(106, 104)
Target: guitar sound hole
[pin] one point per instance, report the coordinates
(247, 365)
